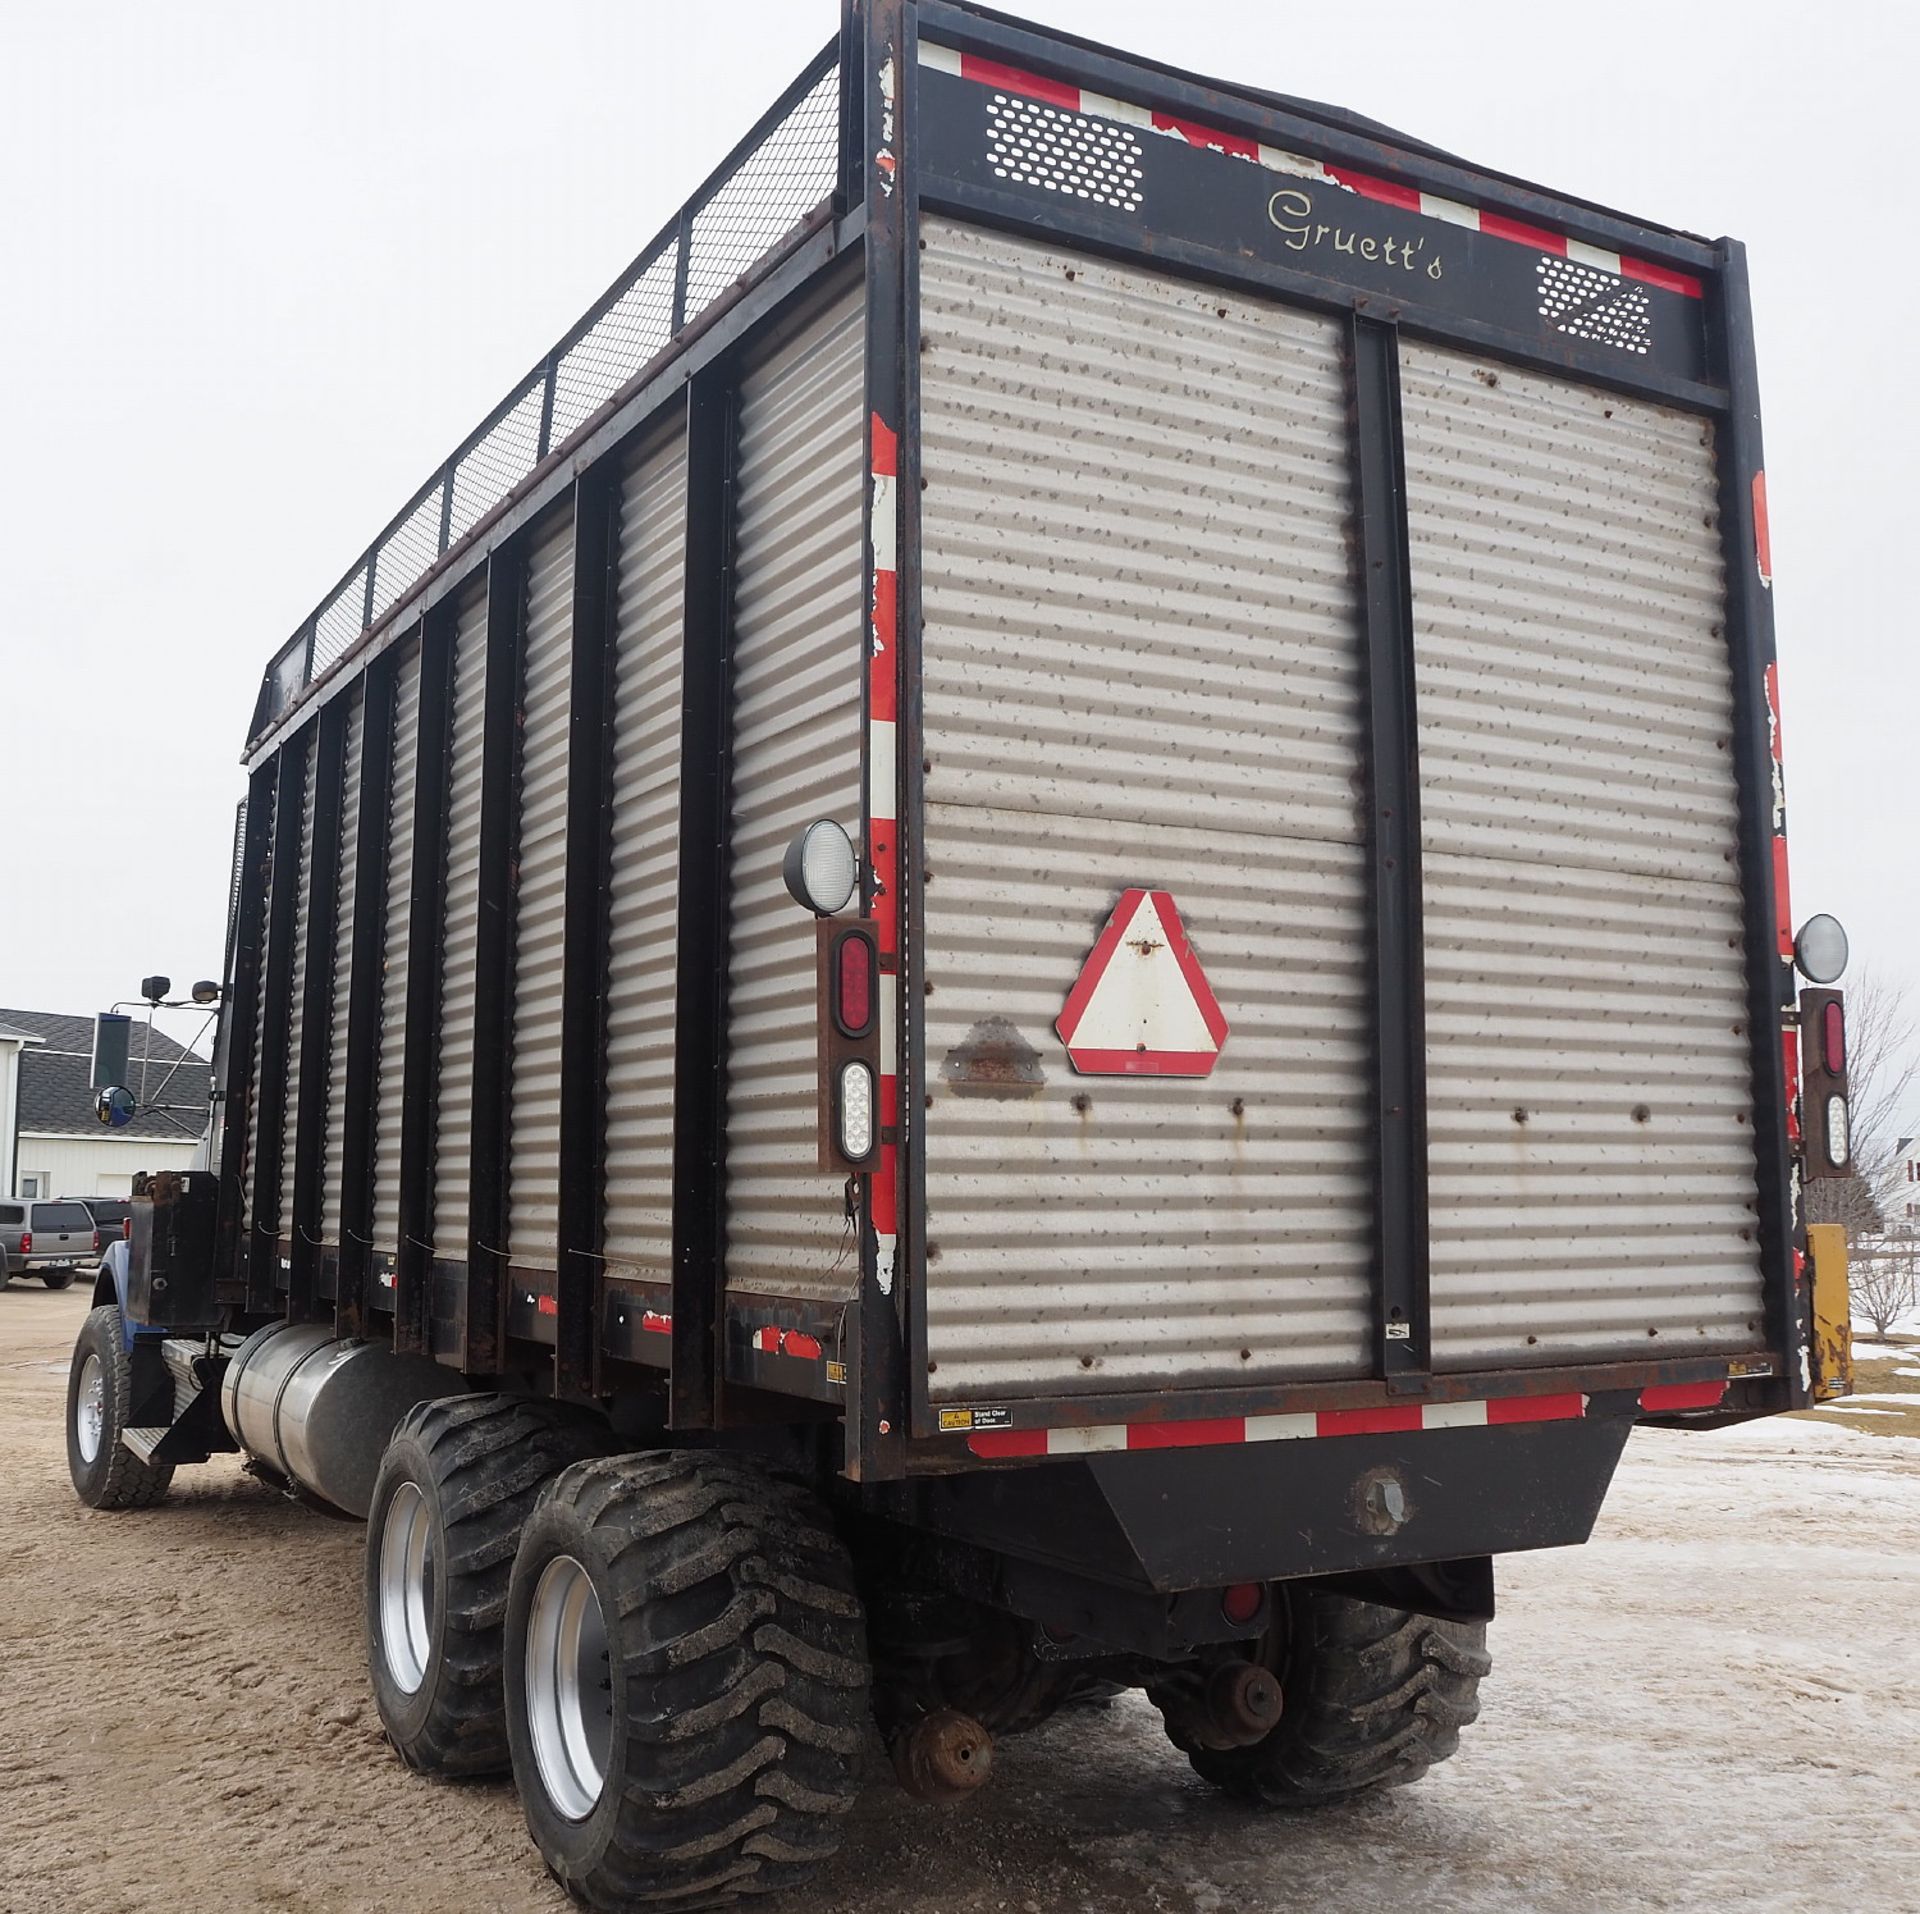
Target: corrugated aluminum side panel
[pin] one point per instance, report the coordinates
(390, 1075)
(296, 995)
(453, 1082)
(797, 663)
(643, 901)
(1591, 1159)
(250, 1156)
(344, 900)
(539, 925)
(1142, 667)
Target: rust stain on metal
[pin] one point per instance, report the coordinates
(995, 1060)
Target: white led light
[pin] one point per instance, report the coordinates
(1821, 950)
(1838, 1142)
(821, 868)
(856, 1112)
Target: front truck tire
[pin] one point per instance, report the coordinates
(458, 1480)
(105, 1389)
(687, 1681)
(1372, 1697)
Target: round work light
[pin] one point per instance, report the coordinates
(1821, 950)
(821, 868)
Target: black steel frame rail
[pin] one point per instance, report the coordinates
(1401, 1288)
(703, 914)
(484, 1320)
(880, 1402)
(361, 1064)
(426, 933)
(241, 1011)
(1771, 998)
(316, 1010)
(263, 1246)
(583, 986)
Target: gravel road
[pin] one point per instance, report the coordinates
(1713, 1704)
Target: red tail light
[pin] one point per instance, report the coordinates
(1242, 1602)
(126, 1229)
(26, 1242)
(1833, 1038)
(853, 968)
(96, 1242)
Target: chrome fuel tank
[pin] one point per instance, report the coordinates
(320, 1410)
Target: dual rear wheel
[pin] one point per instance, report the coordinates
(667, 1649)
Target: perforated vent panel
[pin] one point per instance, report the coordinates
(1599, 307)
(1065, 152)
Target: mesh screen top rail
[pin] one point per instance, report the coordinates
(772, 183)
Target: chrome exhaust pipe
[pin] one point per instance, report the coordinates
(320, 1411)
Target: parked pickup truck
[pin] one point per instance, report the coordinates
(53, 1238)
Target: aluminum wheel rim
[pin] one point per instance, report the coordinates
(90, 1409)
(406, 1588)
(569, 1688)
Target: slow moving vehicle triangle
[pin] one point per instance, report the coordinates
(1143, 1006)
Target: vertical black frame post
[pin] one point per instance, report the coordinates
(704, 916)
(426, 937)
(879, 1400)
(241, 1010)
(583, 978)
(484, 1323)
(316, 1009)
(1772, 1005)
(851, 163)
(361, 1064)
(263, 1238)
(1401, 1275)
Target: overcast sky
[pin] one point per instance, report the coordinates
(263, 266)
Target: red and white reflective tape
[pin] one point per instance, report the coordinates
(1762, 534)
(1391, 1419)
(1782, 896)
(1077, 99)
(771, 1340)
(883, 700)
(1782, 899)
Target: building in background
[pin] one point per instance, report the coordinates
(54, 1145)
(12, 1042)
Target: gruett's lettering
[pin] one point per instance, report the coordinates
(1291, 213)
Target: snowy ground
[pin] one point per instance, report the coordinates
(1711, 1705)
